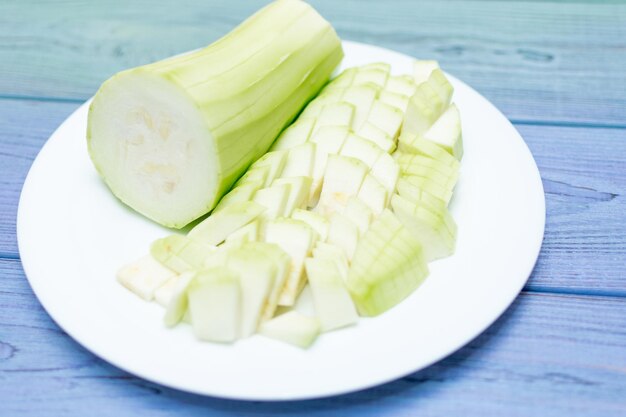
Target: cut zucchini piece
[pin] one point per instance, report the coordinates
(318, 223)
(274, 199)
(446, 181)
(342, 180)
(381, 66)
(296, 238)
(361, 149)
(358, 213)
(254, 175)
(398, 101)
(163, 294)
(335, 114)
(387, 266)
(342, 81)
(144, 276)
(300, 161)
(416, 144)
(299, 189)
(218, 226)
(405, 160)
(282, 262)
(378, 136)
(248, 233)
(296, 134)
(373, 194)
(436, 231)
(416, 194)
(446, 132)
(401, 85)
(422, 70)
(333, 253)
(428, 185)
(387, 118)
(376, 76)
(343, 233)
(240, 194)
(362, 97)
(333, 305)
(214, 298)
(181, 253)
(292, 328)
(275, 161)
(256, 279)
(386, 171)
(329, 141)
(177, 302)
(431, 98)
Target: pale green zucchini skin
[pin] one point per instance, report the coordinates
(170, 138)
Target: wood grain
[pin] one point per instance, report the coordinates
(585, 182)
(549, 354)
(536, 61)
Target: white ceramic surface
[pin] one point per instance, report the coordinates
(73, 235)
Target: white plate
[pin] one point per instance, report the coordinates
(73, 235)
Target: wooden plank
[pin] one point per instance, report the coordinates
(24, 128)
(535, 60)
(584, 173)
(584, 178)
(548, 355)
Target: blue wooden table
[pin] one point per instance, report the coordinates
(556, 69)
